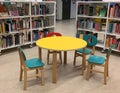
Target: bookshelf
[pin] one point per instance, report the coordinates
(22, 23)
(101, 19)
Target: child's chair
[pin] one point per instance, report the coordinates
(28, 65)
(95, 60)
(91, 41)
(50, 34)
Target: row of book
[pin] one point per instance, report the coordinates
(114, 27)
(114, 10)
(14, 9)
(37, 34)
(7, 26)
(80, 34)
(91, 10)
(113, 42)
(40, 9)
(21, 38)
(12, 40)
(40, 22)
(90, 24)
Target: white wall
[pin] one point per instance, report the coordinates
(73, 9)
(59, 10)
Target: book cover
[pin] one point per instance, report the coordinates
(103, 12)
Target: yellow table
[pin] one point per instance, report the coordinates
(60, 43)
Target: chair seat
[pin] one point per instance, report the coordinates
(96, 59)
(87, 51)
(34, 63)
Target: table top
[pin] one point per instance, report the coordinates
(61, 43)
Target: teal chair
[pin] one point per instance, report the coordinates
(28, 65)
(95, 60)
(91, 41)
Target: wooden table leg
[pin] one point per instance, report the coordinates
(65, 57)
(54, 68)
(40, 53)
(83, 61)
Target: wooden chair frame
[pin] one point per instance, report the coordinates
(50, 51)
(76, 54)
(91, 68)
(24, 69)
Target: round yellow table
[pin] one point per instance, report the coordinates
(59, 43)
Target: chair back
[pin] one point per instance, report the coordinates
(90, 39)
(50, 34)
(22, 56)
(108, 54)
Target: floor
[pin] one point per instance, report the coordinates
(69, 78)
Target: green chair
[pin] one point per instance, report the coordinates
(91, 41)
(28, 65)
(95, 60)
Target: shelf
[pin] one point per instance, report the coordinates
(112, 34)
(34, 41)
(85, 16)
(13, 46)
(48, 27)
(37, 28)
(100, 45)
(48, 2)
(43, 15)
(114, 49)
(43, 28)
(117, 19)
(13, 17)
(90, 2)
(94, 31)
(14, 32)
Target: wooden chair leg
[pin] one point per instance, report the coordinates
(105, 74)
(84, 61)
(25, 79)
(48, 54)
(74, 63)
(88, 71)
(21, 74)
(83, 66)
(37, 73)
(60, 55)
(107, 70)
(91, 67)
(42, 76)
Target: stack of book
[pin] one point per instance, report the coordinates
(89, 10)
(39, 9)
(114, 27)
(113, 42)
(37, 34)
(114, 10)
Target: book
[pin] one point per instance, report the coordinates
(91, 11)
(81, 35)
(103, 12)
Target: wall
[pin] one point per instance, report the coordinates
(73, 9)
(59, 9)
